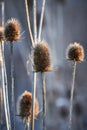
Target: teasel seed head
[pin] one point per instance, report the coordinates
(1, 34)
(12, 30)
(42, 62)
(75, 52)
(25, 106)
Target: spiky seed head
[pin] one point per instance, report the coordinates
(12, 30)
(41, 55)
(1, 34)
(25, 106)
(75, 52)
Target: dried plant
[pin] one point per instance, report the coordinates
(12, 33)
(42, 57)
(4, 74)
(36, 56)
(4, 77)
(75, 52)
(12, 30)
(25, 107)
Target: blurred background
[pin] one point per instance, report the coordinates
(65, 22)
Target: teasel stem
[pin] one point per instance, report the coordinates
(35, 21)
(3, 5)
(44, 99)
(41, 20)
(2, 11)
(35, 75)
(28, 21)
(71, 99)
(33, 101)
(27, 125)
(6, 83)
(4, 93)
(12, 88)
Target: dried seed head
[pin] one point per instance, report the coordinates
(1, 34)
(41, 57)
(75, 52)
(25, 106)
(12, 30)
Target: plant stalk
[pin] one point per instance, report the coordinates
(27, 125)
(41, 20)
(71, 99)
(3, 89)
(28, 21)
(12, 89)
(35, 21)
(33, 101)
(44, 99)
(6, 84)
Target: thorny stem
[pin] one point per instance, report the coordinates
(28, 21)
(33, 101)
(35, 21)
(41, 20)
(71, 100)
(44, 99)
(12, 88)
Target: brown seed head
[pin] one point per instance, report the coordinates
(25, 106)
(75, 52)
(12, 30)
(41, 57)
(1, 34)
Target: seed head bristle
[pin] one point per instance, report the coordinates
(42, 62)
(75, 52)
(1, 34)
(25, 106)
(12, 30)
